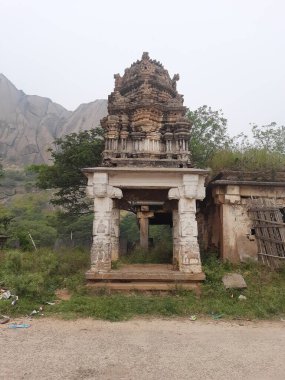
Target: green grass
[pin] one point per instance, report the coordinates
(161, 254)
(35, 275)
(40, 273)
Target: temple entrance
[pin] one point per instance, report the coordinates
(147, 228)
(160, 243)
(115, 189)
(146, 170)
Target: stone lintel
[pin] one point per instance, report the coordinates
(227, 194)
(148, 178)
(108, 170)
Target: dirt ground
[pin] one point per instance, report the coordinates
(143, 349)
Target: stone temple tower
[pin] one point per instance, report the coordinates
(146, 169)
(146, 124)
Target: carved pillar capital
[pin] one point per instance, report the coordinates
(192, 188)
(98, 187)
(103, 190)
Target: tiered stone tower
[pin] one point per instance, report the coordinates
(146, 169)
(146, 125)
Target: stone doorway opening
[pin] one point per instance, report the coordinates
(146, 230)
(160, 241)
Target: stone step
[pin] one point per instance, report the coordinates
(133, 275)
(142, 286)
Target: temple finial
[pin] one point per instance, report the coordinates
(145, 55)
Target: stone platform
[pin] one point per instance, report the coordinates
(144, 277)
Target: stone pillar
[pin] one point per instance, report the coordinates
(144, 229)
(189, 253)
(185, 245)
(115, 233)
(235, 225)
(101, 247)
(143, 217)
(175, 238)
(106, 224)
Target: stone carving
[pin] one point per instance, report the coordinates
(101, 190)
(174, 80)
(100, 255)
(102, 227)
(114, 248)
(146, 126)
(115, 233)
(114, 192)
(187, 191)
(187, 227)
(189, 257)
(145, 99)
(101, 250)
(174, 193)
(115, 223)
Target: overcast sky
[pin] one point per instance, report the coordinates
(230, 54)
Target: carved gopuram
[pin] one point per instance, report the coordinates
(146, 169)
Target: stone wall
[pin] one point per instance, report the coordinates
(224, 220)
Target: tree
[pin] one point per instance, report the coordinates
(71, 153)
(25, 214)
(4, 193)
(208, 134)
(265, 151)
(270, 137)
(210, 145)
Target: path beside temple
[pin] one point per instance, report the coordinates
(143, 349)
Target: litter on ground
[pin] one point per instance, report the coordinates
(4, 319)
(217, 316)
(19, 326)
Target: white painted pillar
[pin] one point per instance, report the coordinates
(185, 244)
(101, 247)
(105, 244)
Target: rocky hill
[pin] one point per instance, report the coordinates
(29, 124)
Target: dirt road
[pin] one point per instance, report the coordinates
(143, 349)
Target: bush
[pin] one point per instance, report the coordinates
(249, 159)
(72, 261)
(29, 285)
(36, 274)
